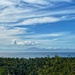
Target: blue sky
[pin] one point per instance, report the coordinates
(39, 23)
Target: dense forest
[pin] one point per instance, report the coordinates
(37, 66)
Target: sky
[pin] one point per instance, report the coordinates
(39, 23)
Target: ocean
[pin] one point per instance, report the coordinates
(35, 54)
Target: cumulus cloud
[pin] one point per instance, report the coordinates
(25, 43)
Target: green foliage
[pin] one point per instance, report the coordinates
(37, 66)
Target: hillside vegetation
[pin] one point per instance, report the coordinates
(37, 66)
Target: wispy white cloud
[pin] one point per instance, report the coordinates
(61, 0)
(41, 2)
(33, 12)
(45, 2)
(60, 42)
(25, 12)
(36, 36)
(39, 20)
(5, 2)
(6, 35)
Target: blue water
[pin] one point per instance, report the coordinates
(35, 54)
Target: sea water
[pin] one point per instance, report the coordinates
(35, 54)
